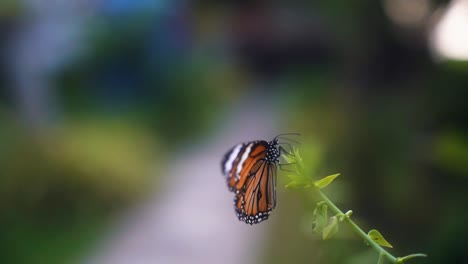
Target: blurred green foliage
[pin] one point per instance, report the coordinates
(68, 185)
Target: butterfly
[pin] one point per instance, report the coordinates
(250, 169)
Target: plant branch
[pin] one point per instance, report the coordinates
(357, 229)
(328, 227)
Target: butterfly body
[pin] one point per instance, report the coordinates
(250, 171)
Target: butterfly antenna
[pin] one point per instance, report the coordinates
(295, 141)
(288, 134)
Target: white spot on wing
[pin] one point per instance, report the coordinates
(243, 158)
(232, 157)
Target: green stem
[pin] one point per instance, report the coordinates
(358, 230)
(418, 255)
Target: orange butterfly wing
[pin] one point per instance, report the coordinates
(258, 198)
(252, 176)
(246, 159)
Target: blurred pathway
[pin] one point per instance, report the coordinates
(193, 220)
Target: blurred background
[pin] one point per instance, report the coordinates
(115, 114)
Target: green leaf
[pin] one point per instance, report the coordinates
(320, 216)
(378, 238)
(295, 160)
(322, 183)
(295, 184)
(289, 159)
(331, 228)
(294, 157)
(298, 181)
